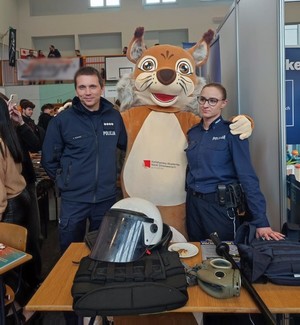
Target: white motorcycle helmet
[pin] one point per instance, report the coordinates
(130, 228)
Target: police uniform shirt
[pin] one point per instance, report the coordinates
(215, 156)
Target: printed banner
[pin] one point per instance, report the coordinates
(12, 47)
(188, 45)
(211, 70)
(292, 106)
(47, 69)
(214, 62)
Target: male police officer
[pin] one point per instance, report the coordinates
(79, 152)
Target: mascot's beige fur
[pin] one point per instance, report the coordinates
(159, 106)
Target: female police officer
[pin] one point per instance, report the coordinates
(220, 176)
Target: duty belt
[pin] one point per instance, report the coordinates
(230, 196)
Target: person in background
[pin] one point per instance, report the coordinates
(46, 115)
(31, 56)
(41, 55)
(79, 153)
(31, 139)
(103, 74)
(78, 54)
(15, 205)
(124, 51)
(54, 53)
(14, 198)
(27, 110)
(218, 160)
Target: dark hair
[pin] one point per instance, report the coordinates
(8, 133)
(88, 71)
(218, 86)
(47, 106)
(24, 103)
(4, 97)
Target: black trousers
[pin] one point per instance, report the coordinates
(206, 216)
(17, 209)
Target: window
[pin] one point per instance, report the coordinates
(152, 2)
(292, 35)
(105, 3)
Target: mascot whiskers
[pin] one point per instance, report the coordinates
(159, 105)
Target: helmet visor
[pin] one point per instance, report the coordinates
(121, 237)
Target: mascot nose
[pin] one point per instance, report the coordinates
(166, 76)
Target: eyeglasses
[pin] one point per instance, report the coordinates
(211, 101)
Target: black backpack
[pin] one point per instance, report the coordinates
(152, 284)
(268, 260)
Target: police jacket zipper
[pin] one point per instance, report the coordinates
(97, 161)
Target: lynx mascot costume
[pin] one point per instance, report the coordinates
(158, 104)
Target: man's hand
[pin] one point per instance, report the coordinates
(241, 125)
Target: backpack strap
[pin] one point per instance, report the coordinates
(245, 234)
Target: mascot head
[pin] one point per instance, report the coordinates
(164, 75)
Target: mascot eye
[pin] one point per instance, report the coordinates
(148, 65)
(184, 67)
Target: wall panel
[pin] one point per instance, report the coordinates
(260, 89)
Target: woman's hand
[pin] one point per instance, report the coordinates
(267, 233)
(15, 114)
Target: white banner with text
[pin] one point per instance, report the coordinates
(47, 69)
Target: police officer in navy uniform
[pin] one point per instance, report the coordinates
(220, 177)
(79, 153)
(220, 181)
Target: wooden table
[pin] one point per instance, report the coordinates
(55, 292)
(14, 264)
(3, 270)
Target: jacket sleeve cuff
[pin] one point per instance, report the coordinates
(260, 222)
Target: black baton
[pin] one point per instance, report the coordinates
(222, 249)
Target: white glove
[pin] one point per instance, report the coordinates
(241, 125)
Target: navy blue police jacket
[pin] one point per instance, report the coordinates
(215, 156)
(80, 151)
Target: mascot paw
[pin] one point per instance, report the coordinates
(241, 125)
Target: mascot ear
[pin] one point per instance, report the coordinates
(200, 51)
(137, 46)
